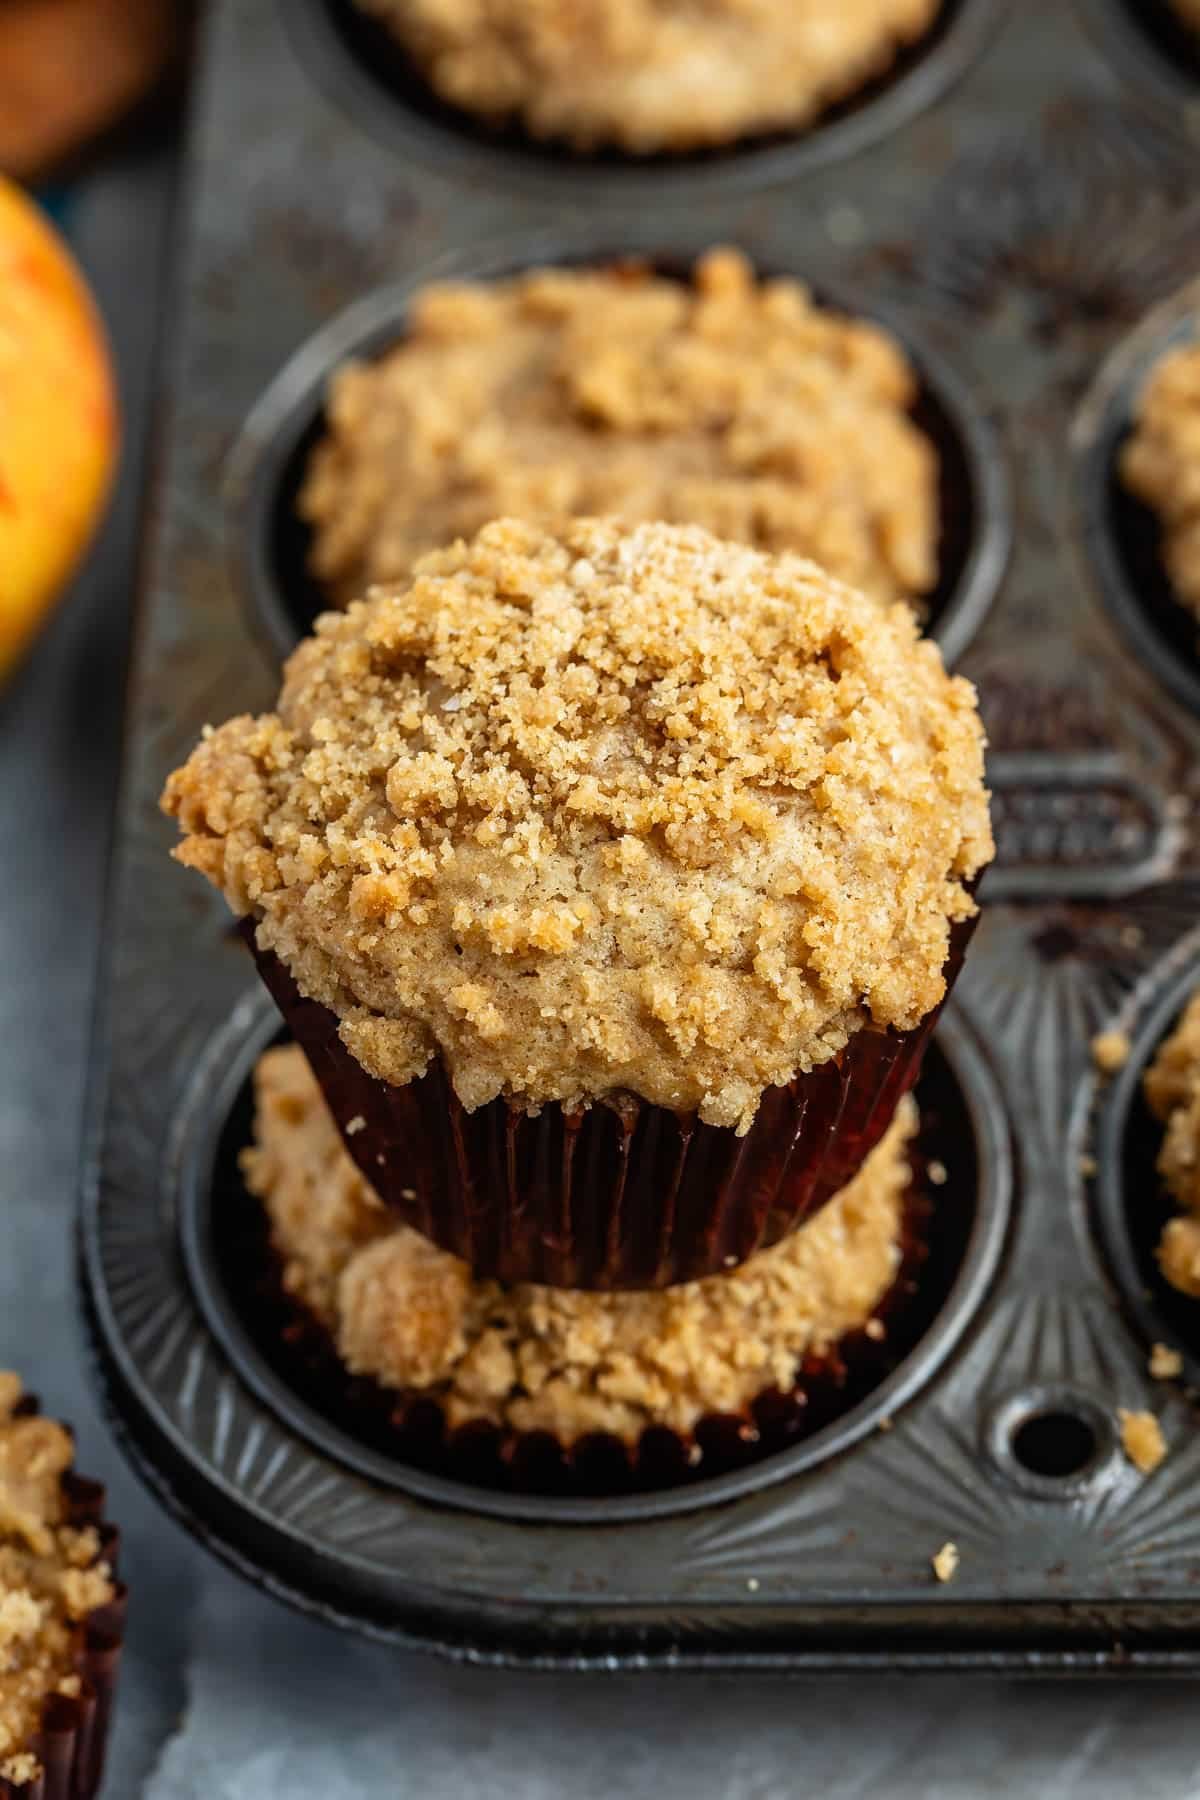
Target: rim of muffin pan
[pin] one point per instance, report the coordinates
(1149, 47)
(963, 1127)
(1130, 1201)
(1119, 535)
(362, 68)
(267, 543)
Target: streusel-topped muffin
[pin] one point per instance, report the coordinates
(652, 75)
(1172, 1085)
(1161, 464)
(542, 1359)
(731, 402)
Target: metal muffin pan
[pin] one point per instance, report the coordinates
(1121, 535)
(1003, 232)
(1149, 46)
(364, 70)
(268, 543)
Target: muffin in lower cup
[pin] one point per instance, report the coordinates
(551, 1385)
(62, 1611)
(1160, 465)
(1172, 1086)
(633, 868)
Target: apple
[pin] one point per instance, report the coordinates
(59, 423)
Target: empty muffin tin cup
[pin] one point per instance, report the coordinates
(365, 71)
(1121, 538)
(616, 1195)
(268, 543)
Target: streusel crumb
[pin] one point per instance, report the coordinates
(730, 403)
(1172, 1087)
(652, 75)
(639, 812)
(1165, 1364)
(1110, 1051)
(51, 1577)
(1161, 462)
(945, 1563)
(411, 1316)
(1142, 1440)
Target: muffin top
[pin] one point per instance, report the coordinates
(729, 402)
(1161, 463)
(411, 1316)
(1172, 1085)
(51, 1577)
(651, 75)
(609, 811)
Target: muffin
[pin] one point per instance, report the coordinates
(612, 881)
(61, 1611)
(1160, 465)
(1189, 12)
(1172, 1088)
(412, 1320)
(648, 76)
(729, 402)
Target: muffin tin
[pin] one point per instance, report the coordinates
(1016, 234)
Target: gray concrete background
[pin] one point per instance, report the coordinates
(227, 1696)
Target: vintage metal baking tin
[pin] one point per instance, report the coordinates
(1019, 230)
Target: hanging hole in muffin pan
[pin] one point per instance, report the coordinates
(1053, 1441)
(363, 68)
(1148, 45)
(1131, 1202)
(268, 543)
(286, 1365)
(1121, 538)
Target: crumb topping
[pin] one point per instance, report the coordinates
(945, 1563)
(1142, 1439)
(651, 75)
(731, 403)
(1110, 1051)
(411, 1316)
(607, 812)
(1172, 1087)
(51, 1577)
(1161, 460)
(1165, 1364)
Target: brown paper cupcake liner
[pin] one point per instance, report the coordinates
(412, 1426)
(621, 1194)
(73, 1740)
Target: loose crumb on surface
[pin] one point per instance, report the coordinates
(727, 401)
(1165, 1364)
(650, 76)
(937, 1173)
(1142, 1439)
(945, 1563)
(1088, 1165)
(411, 1316)
(1110, 1051)
(611, 811)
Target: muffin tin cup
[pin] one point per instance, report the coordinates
(366, 73)
(413, 1427)
(1119, 535)
(73, 1740)
(1150, 47)
(1131, 1202)
(616, 1195)
(267, 543)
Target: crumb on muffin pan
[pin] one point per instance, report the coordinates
(733, 402)
(411, 1317)
(608, 811)
(1160, 464)
(650, 76)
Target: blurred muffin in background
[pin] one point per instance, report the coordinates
(71, 69)
(731, 402)
(652, 76)
(1189, 12)
(1160, 463)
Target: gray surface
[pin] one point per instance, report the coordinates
(226, 1696)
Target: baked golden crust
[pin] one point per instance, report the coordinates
(411, 1316)
(1172, 1087)
(731, 403)
(652, 75)
(51, 1577)
(1161, 464)
(605, 812)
